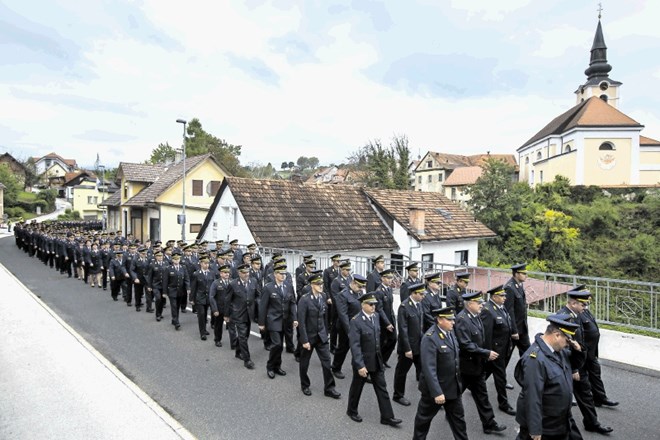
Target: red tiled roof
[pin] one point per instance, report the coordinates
(643, 140)
(463, 176)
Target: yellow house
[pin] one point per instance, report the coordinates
(86, 199)
(593, 143)
(150, 198)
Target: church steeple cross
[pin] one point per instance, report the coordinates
(600, 10)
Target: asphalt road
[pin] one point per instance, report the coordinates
(214, 396)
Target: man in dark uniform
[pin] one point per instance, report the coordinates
(409, 320)
(217, 294)
(497, 337)
(433, 299)
(339, 283)
(239, 300)
(331, 272)
(238, 254)
(440, 380)
(385, 310)
(455, 292)
(155, 276)
(177, 285)
(138, 270)
(373, 278)
(473, 357)
(412, 278)
(516, 305)
(592, 364)
(544, 373)
(119, 275)
(577, 302)
(257, 275)
(312, 309)
(200, 287)
(301, 279)
(276, 307)
(348, 305)
(368, 361)
(302, 266)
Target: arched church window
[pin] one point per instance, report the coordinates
(606, 146)
(526, 160)
(539, 156)
(603, 97)
(567, 149)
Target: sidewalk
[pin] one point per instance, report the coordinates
(55, 385)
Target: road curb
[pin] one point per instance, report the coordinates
(160, 412)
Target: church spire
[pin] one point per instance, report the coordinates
(598, 67)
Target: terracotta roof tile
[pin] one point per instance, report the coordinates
(444, 220)
(463, 176)
(594, 112)
(292, 215)
(643, 140)
(165, 178)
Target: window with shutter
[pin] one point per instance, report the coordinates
(198, 188)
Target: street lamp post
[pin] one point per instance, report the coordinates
(183, 199)
(103, 218)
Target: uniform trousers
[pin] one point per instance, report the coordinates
(426, 411)
(380, 387)
(592, 365)
(522, 343)
(585, 399)
(323, 352)
(139, 293)
(242, 335)
(288, 334)
(388, 343)
(498, 369)
(401, 372)
(202, 313)
(104, 278)
(124, 286)
(476, 383)
(275, 355)
(160, 302)
(174, 308)
(343, 347)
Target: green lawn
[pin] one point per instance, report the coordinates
(24, 196)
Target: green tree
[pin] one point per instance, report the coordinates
(383, 167)
(12, 185)
(49, 196)
(198, 141)
(31, 176)
(163, 153)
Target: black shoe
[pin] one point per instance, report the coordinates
(271, 374)
(280, 372)
(606, 403)
(249, 365)
(206, 333)
(114, 298)
(289, 350)
(137, 309)
(332, 393)
(508, 409)
(267, 347)
(509, 386)
(177, 326)
(218, 343)
(494, 427)
(402, 401)
(150, 310)
(355, 417)
(184, 311)
(239, 356)
(203, 337)
(297, 358)
(600, 429)
(306, 391)
(391, 421)
(158, 318)
(129, 304)
(386, 365)
(338, 374)
(105, 288)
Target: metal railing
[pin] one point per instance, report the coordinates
(634, 304)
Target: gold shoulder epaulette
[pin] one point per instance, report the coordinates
(532, 355)
(430, 333)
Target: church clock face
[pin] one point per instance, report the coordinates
(606, 161)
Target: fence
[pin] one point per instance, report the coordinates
(622, 302)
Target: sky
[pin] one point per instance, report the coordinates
(291, 78)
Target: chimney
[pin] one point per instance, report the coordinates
(417, 220)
